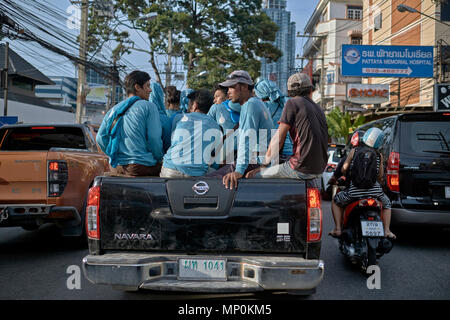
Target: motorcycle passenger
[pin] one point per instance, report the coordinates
(337, 174)
(372, 139)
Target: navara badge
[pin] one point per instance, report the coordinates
(200, 188)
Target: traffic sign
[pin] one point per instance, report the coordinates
(387, 61)
(442, 97)
(8, 120)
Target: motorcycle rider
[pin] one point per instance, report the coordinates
(372, 138)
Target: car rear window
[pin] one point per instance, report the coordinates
(425, 137)
(42, 138)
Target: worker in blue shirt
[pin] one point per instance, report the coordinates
(255, 123)
(173, 96)
(220, 110)
(130, 133)
(194, 139)
(269, 93)
(157, 97)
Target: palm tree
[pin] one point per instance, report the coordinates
(340, 125)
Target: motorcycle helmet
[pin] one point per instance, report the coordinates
(356, 138)
(373, 138)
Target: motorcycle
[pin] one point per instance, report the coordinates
(362, 240)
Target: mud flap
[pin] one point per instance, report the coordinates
(373, 243)
(74, 227)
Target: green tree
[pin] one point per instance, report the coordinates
(341, 124)
(216, 36)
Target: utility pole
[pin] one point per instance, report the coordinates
(5, 89)
(169, 59)
(322, 71)
(81, 90)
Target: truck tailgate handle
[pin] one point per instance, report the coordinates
(203, 201)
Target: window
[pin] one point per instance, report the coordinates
(445, 11)
(429, 138)
(354, 12)
(44, 138)
(22, 84)
(356, 40)
(378, 22)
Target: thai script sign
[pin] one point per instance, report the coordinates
(387, 61)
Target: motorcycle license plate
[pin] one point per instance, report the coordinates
(447, 192)
(372, 228)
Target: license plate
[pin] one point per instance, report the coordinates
(372, 228)
(202, 269)
(447, 192)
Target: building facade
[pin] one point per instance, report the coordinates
(332, 24)
(63, 93)
(281, 70)
(384, 24)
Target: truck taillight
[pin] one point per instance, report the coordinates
(392, 172)
(57, 176)
(314, 215)
(92, 218)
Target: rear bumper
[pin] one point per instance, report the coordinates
(243, 273)
(401, 216)
(17, 214)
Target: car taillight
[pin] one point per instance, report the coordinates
(392, 172)
(92, 218)
(314, 215)
(57, 176)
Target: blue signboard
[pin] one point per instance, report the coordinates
(8, 120)
(387, 61)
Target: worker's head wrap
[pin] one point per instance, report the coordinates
(184, 100)
(157, 97)
(266, 89)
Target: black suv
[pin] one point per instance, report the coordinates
(416, 151)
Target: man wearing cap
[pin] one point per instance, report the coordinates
(255, 121)
(306, 123)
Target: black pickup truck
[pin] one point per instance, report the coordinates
(195, 235)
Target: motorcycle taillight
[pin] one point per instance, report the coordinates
(369, 203)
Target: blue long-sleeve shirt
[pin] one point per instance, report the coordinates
(276, 109)
(141, 141)
(195, 137)
(222, 116)
(254, 117)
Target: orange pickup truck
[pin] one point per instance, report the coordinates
(45, 174)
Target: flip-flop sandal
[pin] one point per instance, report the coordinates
(391, 236)
(334, 234)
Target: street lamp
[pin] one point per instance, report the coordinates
(405, 8)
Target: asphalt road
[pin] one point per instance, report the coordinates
(34, 265)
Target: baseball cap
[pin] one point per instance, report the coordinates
(238, 76)
(299, 80)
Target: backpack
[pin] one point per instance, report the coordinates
(364, 168)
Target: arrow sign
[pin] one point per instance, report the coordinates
(387, 61)
(392, 72)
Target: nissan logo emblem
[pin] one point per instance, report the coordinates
(200, 188)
